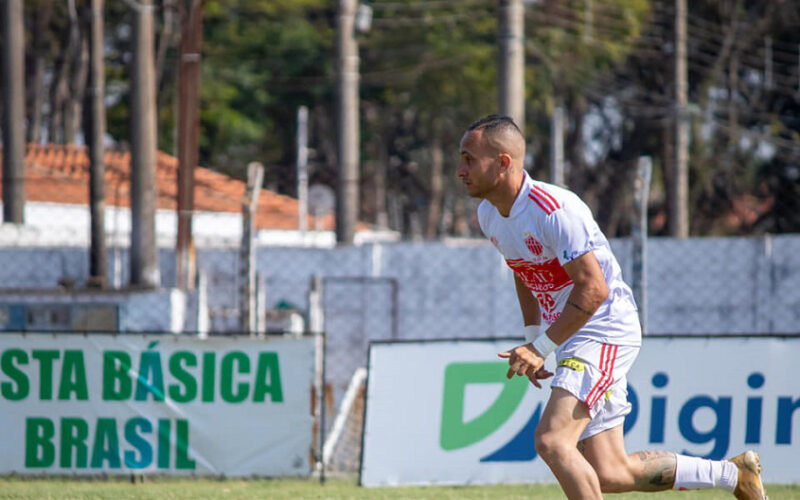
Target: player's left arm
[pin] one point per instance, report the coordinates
(588, 293)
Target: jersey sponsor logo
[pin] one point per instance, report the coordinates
(533, 245)
(540, 277)
(545, 200)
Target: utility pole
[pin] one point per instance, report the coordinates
(511, 61)
(144, 259)
(188, 123)
(13, 88)
(557, 146)
(302, 169)
(347, 195)
(95, 132)
(679, 208)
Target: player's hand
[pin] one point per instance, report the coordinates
(540, 374)
(522, 360)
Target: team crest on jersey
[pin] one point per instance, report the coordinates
(533, 245)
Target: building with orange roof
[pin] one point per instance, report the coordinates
(57, 198)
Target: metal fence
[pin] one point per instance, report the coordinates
(406, 290)
(463, 288)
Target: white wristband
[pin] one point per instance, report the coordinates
(531, 332)
(544, 345)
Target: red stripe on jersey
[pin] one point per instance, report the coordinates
(546, 195)
(544, 200)
(547, 210)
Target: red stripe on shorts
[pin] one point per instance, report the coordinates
(600, 365)
(611, 359)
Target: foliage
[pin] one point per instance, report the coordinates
(262, 59)
(428, 69)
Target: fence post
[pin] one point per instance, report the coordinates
(639, 236)
(203, 318)
(315, 325)
(247, 316)
(764, 288)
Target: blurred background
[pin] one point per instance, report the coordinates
(262, 166)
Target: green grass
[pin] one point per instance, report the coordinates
(285, 489)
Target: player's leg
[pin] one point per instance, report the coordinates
(619, 472)
(562, 422)
(654, 470)
(585, 371)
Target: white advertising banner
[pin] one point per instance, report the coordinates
(443, 412)
(86, 404)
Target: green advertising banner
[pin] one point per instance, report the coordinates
(98, 403)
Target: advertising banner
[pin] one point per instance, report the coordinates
(86, 404)
(443, 412)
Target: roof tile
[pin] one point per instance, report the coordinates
(60, 174)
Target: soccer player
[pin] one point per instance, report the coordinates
(566, 275)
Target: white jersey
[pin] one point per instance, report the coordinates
(547, 227)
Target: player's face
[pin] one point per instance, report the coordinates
(478, 168)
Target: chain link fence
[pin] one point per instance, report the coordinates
(733, 285)
(397, 291)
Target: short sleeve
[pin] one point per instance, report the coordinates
(571, 231)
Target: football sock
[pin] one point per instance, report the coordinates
(693, 473)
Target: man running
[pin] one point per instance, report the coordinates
(566, 274)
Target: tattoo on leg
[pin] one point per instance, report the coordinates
(657, 470)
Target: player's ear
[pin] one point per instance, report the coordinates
(505, 161)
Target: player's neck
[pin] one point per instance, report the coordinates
(505, 195)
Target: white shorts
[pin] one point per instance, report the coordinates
(594, 373)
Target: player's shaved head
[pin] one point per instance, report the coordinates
(492, 156)
(502, 134)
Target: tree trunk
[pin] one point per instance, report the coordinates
(77, 87)
(12, 85)
(38, 60)
(733, 110)
(435, 196)
(461, 216)
(95, 131)
(667, 167)
(59, 90)
(381, 212)
(166, 38)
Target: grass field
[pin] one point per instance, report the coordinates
(285, 489)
